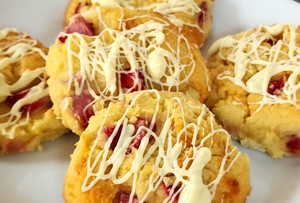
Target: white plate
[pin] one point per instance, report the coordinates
(37, 177)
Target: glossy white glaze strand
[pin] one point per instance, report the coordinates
(165, 7)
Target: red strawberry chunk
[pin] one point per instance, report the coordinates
(78, 7)
(79, 25)
(82, 110)
(124, 198)
(15, 97)
(35, 105)
(202, 14)
(15, 146)
(294, 144)
(141, 80)
(62, 38)
(272, 42)
(168, 190)
(128, 80)
(136, 142)
(275, 87)
(109, 131)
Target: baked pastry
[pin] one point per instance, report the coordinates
(26, 114)
(156, 147)
(109, 52)
(255, 94)
(193, 15)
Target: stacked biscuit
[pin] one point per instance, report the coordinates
(129, 79)
(118, 52)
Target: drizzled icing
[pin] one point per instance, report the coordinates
(249, 50)
(13, 50)
(165, 7)
(143, 47)
(167, 148)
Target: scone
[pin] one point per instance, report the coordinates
(26, 114)
(110, 52)
(156, 147)
(255, 94)
(193, 15)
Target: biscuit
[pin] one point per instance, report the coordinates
(255, 94)
(156, 147)
(193, 15)
(110, 52)
(26, 114)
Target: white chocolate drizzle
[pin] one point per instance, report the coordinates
(141, 46)
(11, 51)
(248, 51)
(165, 7)
(167, 147)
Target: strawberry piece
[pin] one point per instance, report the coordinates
(82, 110)
(15, 146)
(79, 6)
(294, 144)
(15, 97)
(35, 105)
(62, 38)
(128, 81)
(109, 131)
(275, 87)
(168, 190)
(124, 198)
(202, 14)
(79, 25)
(137, 141)
(272, 42)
